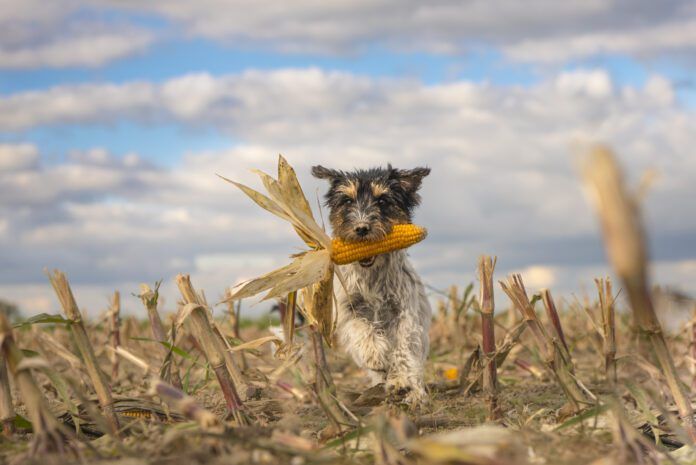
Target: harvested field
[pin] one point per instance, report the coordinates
(587, 380)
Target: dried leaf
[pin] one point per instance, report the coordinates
(291, 186)
(293, 194)
(255, 286)
(312, 267)
(256, 343)
(186, 311)
(300, 219)
(260, 199)
(304, 270)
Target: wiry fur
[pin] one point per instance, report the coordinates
(383, 312)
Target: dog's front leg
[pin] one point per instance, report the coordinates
(405, 373)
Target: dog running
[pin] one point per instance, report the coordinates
(383, 312)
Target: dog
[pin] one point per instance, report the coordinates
(383, 314)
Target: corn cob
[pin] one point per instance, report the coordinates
(401, 236)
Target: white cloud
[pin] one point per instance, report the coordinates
(83, 50)
(75, 104)
(660, 90)
(24, 182)
(64, 33)
(17, 157)
(73, 33)
(534, 31)
(539, 276)
(594, 83)
(678, 35)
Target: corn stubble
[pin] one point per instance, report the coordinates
(196, 314)
(608, 334)
(625, 243)
(115, 326)
(49, 435)
(62, 288)
(7, 412)
(486, 267)
(555, 356)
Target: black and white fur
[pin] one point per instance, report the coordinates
(383, 313)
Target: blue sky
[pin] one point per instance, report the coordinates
(165, 143)
(117, 114)
(176, 56)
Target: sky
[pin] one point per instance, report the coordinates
(115, 116)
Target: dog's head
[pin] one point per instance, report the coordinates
(365, 204)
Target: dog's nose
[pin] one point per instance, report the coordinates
(362, 231)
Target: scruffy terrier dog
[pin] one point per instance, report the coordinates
(383, 313)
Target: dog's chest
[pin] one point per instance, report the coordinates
(381, 293)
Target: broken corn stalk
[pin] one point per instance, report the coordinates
(400, 237)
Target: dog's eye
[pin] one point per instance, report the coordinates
(347, 201)
(382, 201)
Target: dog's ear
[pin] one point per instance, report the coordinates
(320, 172)
(411, 180)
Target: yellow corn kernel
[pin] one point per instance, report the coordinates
(137, 413)
(451, 374)
(400, 237)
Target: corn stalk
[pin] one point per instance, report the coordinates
(624, 239)
(243, 389)
(7, 413)
(169, 371)
(556, 362)
(149, 298)
(65, 295)
(115, 323)
(235, 309)
(317, 307)
(486, 266)
(288, 309)
(472, 366)
(196, 314)
(552, 314)
(49, 435)
(606, 304)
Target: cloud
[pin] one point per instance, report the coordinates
(539, 276)
(503, 181)
(643, 41)
(534, 31)
(73, 33)
(65, 33)
(18, 157)
(87, 103)
(84, 50)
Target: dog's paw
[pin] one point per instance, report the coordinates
(401, 390)
(416, 398)
(397, 386)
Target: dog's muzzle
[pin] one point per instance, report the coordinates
(367, 262)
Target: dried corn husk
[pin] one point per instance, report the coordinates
(311, 270)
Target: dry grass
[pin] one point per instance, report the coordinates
(286, 419)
